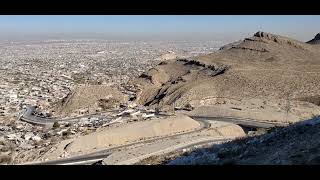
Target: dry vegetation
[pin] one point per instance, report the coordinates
(297, 144)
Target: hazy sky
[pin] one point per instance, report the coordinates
(157, 26)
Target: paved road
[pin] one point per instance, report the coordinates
(288, 70)
(78, 160)
(247, 122)
(177, 147)
(28, 116)
(97, 156)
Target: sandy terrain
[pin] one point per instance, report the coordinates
(164, 136)
(219, 132)
(128, 133)
(257, 109)
(91, 97)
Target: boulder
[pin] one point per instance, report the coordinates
(19, 126)
(135, 114)
(62, 132)
(12, 136)
(28, 136)
(126, 112)
(132, 105)
(148, 115)
(36, 138)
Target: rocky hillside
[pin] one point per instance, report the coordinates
(294, 145)
(315, 40)
(265, 66)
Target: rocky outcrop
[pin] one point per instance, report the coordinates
(264, 66)
(278, 39)
(315, 40)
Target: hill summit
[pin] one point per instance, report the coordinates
(315, 40)
(261, 71)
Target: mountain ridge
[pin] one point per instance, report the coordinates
(265, 67)
(315, 40)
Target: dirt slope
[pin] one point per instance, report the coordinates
(126, 134)
(90, 98)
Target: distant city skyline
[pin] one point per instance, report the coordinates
(165, 27)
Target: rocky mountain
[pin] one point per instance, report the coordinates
(315, 40)
(265, 68)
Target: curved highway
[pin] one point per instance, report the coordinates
(96, 156)
(247, 122)
(29, 116)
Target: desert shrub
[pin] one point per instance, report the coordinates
(56, 125)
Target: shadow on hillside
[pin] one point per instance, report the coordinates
(295, 144)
